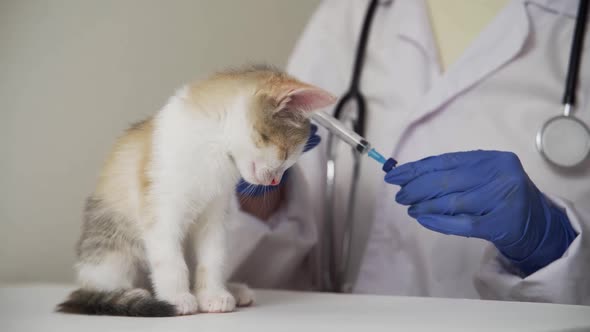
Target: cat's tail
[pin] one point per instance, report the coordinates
(130, 302)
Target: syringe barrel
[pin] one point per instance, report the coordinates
(339, 129)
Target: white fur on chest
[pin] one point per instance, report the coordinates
(190, 159)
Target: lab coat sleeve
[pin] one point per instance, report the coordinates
(562, 281)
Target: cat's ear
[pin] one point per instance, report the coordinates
(306, 99)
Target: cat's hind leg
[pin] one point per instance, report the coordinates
(111, 272)
(107, 288)
(107, 269)
(107, 254)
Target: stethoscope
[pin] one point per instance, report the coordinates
(335, 266)
(563, 141)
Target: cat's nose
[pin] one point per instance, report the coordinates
(276, 178)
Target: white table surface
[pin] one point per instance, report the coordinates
(31, 308)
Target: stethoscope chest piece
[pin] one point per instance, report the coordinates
(564, 141)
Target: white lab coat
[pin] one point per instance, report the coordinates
(496, 96)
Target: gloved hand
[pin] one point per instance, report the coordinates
(247, 189)
(487, 195)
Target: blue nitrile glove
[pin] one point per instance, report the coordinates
(247, 189)
(487, 195)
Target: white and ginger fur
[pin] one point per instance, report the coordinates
(167, 185)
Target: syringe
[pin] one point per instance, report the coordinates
(353, 139)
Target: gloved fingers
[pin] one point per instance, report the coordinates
(461, 225)
(476, 202)
(313, 139)
(312, 142)
(437, 184)
(312, 129)
(405, 173)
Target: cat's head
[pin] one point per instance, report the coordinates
(276, 126)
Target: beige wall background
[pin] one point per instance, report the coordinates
(75, 73)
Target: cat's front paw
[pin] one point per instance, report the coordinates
(215, 300)
(243, 294)
(185, 303)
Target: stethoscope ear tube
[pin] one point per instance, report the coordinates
(573, 70)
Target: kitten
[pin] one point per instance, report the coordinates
(169, 179)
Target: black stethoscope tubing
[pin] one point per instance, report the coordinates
(573, 70)
(336, 265)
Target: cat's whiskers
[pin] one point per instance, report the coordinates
(247, 194)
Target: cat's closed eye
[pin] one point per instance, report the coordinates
(264, 138)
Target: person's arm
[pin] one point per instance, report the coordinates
(487, 195)
(564, 280)
(539, 251)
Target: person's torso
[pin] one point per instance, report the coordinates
(495, 97)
